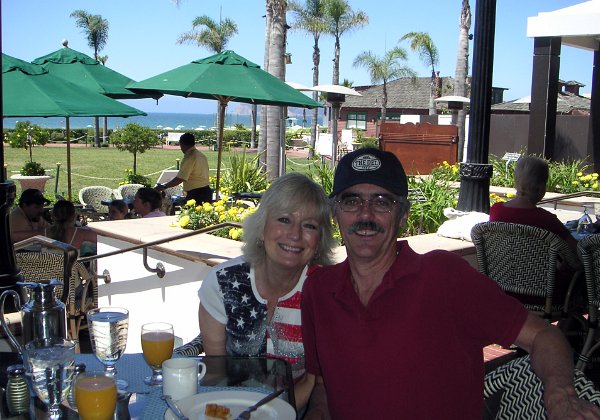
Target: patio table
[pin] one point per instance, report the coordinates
(257, 374)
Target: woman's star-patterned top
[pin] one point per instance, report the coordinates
(229, 295)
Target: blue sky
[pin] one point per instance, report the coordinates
(143, 34)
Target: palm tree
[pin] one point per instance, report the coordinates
(384, 69)
(422, 43)
(310, 18)
(96, 31)
(211, 35)
(340, 20)
(462, 71)
(95, 28)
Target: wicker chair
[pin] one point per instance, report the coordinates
(59, 260)
(127, 191)
(589, 252)
(523, 260)
(92, 197)
(520, 391)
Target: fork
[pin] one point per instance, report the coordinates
(245, 415)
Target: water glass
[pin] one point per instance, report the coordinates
(158, 341)
(108, 333)
(96, 396)
(50, 363)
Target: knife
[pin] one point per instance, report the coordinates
(174, 407)
(245, 415)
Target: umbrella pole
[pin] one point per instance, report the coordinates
(68, 159)
(222, 108)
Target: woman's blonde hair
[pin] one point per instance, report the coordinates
(288, 193)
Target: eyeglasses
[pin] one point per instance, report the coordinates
(379, 204)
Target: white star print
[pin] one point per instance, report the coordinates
(253, 313)
(240, 322)
(235, 284)
(245, 298)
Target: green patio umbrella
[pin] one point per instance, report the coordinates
(84, 71)
(28, 90)
(225, 77)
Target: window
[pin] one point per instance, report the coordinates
(389, 116)
(356, 120)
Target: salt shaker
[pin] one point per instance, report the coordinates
(79, 368)
(17, 391)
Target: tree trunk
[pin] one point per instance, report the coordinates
(262, 138)
(253, 113)
(462, 70)
(432, 91)
(97, 131)
(336, 62)
(277, 69)
(384, 102)
(315, 96)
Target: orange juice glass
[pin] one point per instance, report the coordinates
(96, 396)
(157, 344)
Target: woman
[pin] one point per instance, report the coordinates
(531, 176)
(65, 229)
(147, 203)
(250, 305)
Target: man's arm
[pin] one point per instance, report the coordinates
(175, 181)
(317, 404)
(552, 361)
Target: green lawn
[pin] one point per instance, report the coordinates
(107, 165)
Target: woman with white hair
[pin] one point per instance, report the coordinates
(250, 305)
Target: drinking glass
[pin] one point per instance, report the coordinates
(584, 224)
(95, 396)
(108, 332)
(157, 344)
(50, 363)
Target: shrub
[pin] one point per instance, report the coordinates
(32, 169)
(244, 174)
(132, 178)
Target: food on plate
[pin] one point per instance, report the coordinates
(216, 411)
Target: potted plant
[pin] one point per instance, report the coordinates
(32, 174)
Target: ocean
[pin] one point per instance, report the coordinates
(165, 121)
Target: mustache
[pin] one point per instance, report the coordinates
(365, 226)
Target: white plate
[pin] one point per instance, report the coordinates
(193, 407)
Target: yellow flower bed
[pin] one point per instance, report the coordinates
(195, 217)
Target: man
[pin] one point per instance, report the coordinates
(389, 333)
(27, 220)
(193, 172)
(147, 203)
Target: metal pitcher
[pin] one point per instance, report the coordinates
(43, 316)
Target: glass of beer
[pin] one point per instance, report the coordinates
(96, 396)
(158, 341)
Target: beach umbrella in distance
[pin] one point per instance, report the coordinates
(29, 90)
(226, 77)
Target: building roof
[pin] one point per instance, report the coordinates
(406, 92)
(566, 103)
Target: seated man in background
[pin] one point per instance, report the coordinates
(147, 203)
(27, 220)
(118, 210)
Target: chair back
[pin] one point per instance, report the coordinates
(523, 259)
(521, 391)
(589, 251)
(93, 197)
(79, 292)
(127, 191)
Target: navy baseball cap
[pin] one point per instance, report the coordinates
(370, 166)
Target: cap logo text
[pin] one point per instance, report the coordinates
(366, 163)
